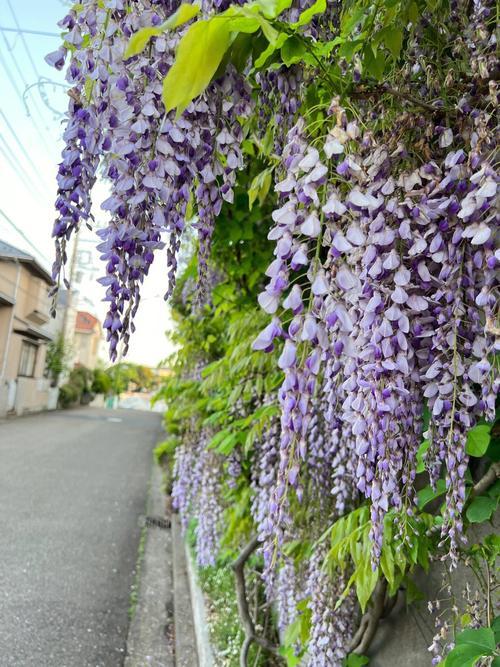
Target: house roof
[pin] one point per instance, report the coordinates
(8, 251)
(85, 322)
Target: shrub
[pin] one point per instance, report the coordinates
(101, 384)
(69, 394)
(56, 359)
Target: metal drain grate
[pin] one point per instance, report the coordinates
(157, 522)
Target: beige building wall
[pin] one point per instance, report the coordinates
(87, 348)
(24, 314)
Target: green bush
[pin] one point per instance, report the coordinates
(78, 389)
(82, 377)
(56, 359)
(101, 383)
(165, 449)
(69, 394)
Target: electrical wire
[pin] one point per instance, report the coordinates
(21, 233)
(23, 39)
(22, 96)
(23, 150)
(29, 32)
(19, 169)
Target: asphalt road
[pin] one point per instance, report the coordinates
(73, 488)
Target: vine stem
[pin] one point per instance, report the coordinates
(487, 480)
(370, 620)
(368, 92)
(238, 567)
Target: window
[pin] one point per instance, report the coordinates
(28, 359)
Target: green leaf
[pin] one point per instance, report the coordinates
(349, 48)
(288, 652)
(264, 56)
(354, 660)
(88, 88)
(427, 494)
(413, 12)
(259, 187)
(218, 438)
(393, 39)
(307, 15)
(241, 50)
(421, 455)
(199, 54)
(365, 580)
(140, 39)
(387, 563)
(413, 592)
(374, 64)
(482, 639)
(350, 19)
(478, 440)
(272, 8)
(495, 626)
(462, 656)
(481, 509)
(493, 451)
(293, 50)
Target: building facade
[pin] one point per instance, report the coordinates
(87, 339)
(25, 331)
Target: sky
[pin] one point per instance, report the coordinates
(32, 103)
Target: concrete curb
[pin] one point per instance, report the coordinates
(150, 636)
(185, 635)
(205, 653)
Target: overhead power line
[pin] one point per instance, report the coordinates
(20, 31)
(28, 52)
(23, 235)
(23, 39)
(18, 167)
(22, 96)
(23, 150)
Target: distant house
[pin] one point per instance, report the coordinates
(87, 339)
(24, 332)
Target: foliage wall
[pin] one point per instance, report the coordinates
(322, 175)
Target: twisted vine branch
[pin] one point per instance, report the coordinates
(370, 620)
(488, 479)
(247, 622)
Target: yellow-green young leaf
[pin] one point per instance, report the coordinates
(345, 592)
(270, 33)
(387, 563)
(271, 8)
(140, 39)
(268, 52)
(307, 15)
(88, 88)
(260, 187)
(184, 14)
(366, 580)
(199, 54)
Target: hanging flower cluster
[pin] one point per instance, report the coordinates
(153, 163)
(388, 272)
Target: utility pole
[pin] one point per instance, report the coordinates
(69, 291)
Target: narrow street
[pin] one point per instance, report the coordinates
(73, 487)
